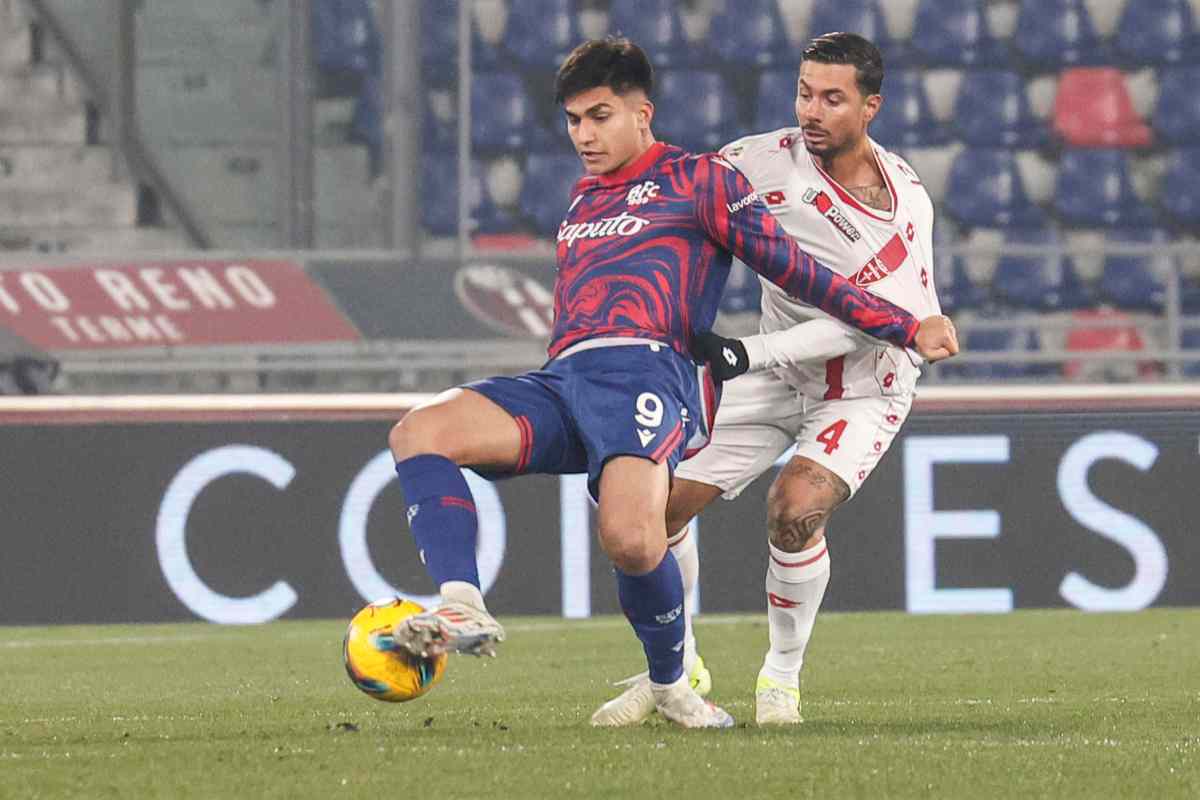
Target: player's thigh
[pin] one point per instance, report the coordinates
(849, 437)
(758, 420)
(688, 498)
(632, 510)
(461, 425)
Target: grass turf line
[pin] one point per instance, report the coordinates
(1036, 704)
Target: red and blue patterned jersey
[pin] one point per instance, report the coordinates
(645, 252)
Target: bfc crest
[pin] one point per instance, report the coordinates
(642, 193)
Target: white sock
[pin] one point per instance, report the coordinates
(462, 592)
(683, 545)
(795, 586)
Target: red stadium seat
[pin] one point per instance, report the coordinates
(1093, 109)
(1117, 339)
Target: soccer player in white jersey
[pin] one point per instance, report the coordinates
(838, 396)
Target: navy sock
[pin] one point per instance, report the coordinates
(441, 513)
(654, 605)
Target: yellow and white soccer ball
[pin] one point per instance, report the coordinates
(377, 669)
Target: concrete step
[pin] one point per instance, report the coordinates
(240, 185)
(16, 48)
(43, 124)
(89, 205)
(38, 84)
(244, 237)
(35, 167)
(224, 104)
(91, 240)
(85, 240)
(179, 40)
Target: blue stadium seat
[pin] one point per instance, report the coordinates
(992, 110)
(696, 110)
(1177, 118)
(1094, 188)
(439, 42)
(1131, 282)
(776, 104)
(1038, 283)
(655, 25)
(439, 193)
(502, 115)
(751, 33)
(999, 341)
(955, 289)
(904, 119)
(1191, 341)
(439, 132)
(546, 192)
(540, 33)
(1157, 32)
(1058, 34)
(987, 190)
(1181, 185)
(955, 33)
(863, 17)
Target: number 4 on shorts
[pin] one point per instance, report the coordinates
(830, 436)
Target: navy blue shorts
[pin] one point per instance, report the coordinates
(584, 408)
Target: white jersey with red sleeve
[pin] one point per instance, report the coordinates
(888, 253)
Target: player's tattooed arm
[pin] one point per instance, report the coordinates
(877, 196)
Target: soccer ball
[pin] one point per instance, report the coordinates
(377, 669)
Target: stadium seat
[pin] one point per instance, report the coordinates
(502, 115)
(540, 33)
(439, 192)
(1085, 337)
(742, 294)
(955, 33)
(751, 33)
(696, 110)
(1094, 188)
(863, 17)
(1053, 35)
(345, 37)
(985, 188)
(439, 122)
(1177, 118)
(546, 192)
(1037, 283)
(904, 119)
(992, 110)
(999, 340)
(656, 26)
(1132, 282)
(956, 291)
(1181, 186)
(1191, 341)
(1092, 108)
(775, 106)
(439, 43)
(1157, 32)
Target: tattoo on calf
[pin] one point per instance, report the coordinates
(793, 535)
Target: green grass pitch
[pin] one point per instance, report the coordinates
(1031, 704)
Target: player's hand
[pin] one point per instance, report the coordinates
(726, 358)
(936, 338)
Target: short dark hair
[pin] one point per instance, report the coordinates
(613, 61)
(850, 48)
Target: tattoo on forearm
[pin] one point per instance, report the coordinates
(877, 197)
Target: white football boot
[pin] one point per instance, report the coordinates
(636, 703)
(775, 703)
(451, 627)
(679, 703)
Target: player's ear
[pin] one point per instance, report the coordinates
(871, 106)
(645, 113)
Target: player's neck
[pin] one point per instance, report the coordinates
(854, 166)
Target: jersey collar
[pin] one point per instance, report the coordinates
(635, 167)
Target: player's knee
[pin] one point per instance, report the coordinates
(419, 433)
(795, 520)
(633, 549)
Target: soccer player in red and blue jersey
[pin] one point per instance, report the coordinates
(643, 254)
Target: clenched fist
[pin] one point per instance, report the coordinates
(936, 338)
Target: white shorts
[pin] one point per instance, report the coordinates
(760, 417)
